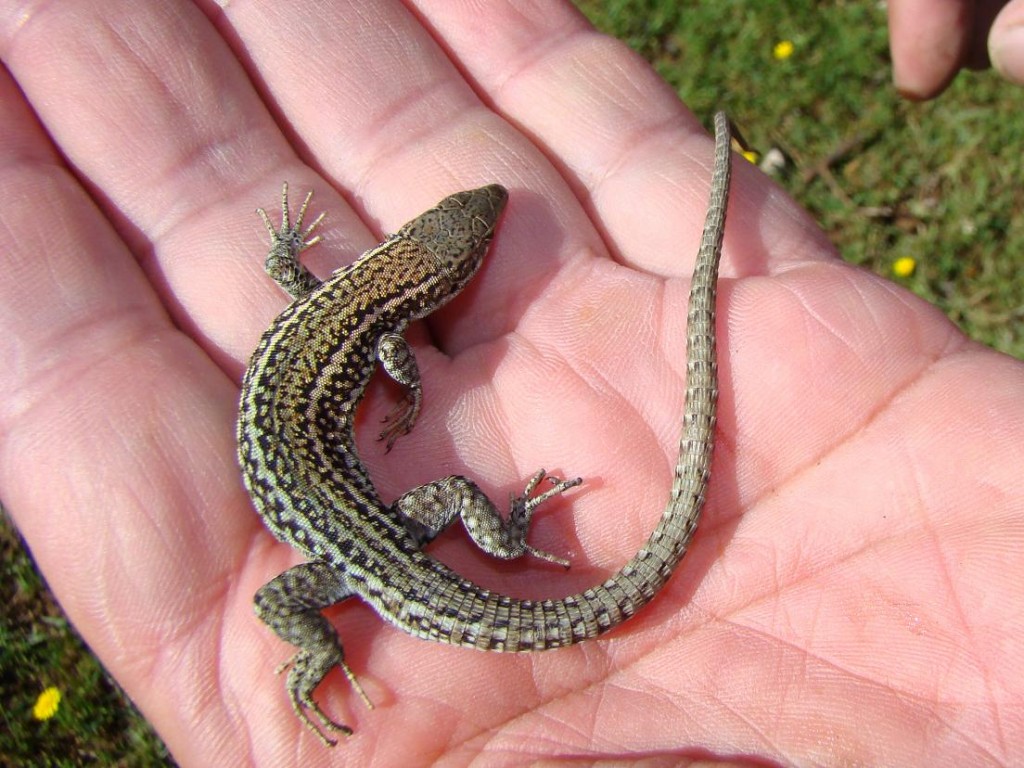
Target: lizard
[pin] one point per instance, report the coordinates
(296, 447)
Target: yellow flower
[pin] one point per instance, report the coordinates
(751, 156)
(47, 704)
(783, 50)
(904, 266)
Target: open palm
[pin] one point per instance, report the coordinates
(855, 592)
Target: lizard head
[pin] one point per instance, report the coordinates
(458, 230)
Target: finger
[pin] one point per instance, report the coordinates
(1006, 42)
(639, 160)
(155, 89)
(157, 118)
(116, 460)
(983, 17)
(928, 40)
(396, 126)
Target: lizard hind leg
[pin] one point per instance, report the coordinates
(290, 605)
(431, 508)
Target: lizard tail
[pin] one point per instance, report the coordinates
(600, 608)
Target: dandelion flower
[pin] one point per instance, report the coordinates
(783, 50)
(47, 704)
(904, 266)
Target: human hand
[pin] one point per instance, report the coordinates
(858, 560)
(931, 40)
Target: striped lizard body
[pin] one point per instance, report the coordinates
(298, 455)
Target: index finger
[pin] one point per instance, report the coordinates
(930, 40)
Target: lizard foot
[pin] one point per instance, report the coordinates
(522, 508)
(303, 677)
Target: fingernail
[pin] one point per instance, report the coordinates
(1006, 49)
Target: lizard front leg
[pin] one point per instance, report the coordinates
(286, 243)
(398, 361)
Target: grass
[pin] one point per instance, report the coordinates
(95, 724)
(887, 179)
